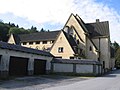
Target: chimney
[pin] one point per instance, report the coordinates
(97, 20)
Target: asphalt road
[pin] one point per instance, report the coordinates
(107, 82)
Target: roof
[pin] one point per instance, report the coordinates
(71, 61)
(98, 28)
(71, 41)
(16, 38)
(40, 36)
(4, 45)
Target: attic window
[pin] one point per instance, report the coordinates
(38, 42)
(24, 43)
(90, 48)
(51, 42)
(78, 42)
(30, 43)
(44, 42)
(60, 49)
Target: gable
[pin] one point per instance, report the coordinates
(62, 41)
(73, 22)
(11, 39)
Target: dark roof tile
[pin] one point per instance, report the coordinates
(41, 36)
(5, 45)
(98, 29)
(71, 41)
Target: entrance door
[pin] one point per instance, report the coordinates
(18, 66)
(39, 66)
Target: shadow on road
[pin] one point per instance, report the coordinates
(114, 73)
(43, 81)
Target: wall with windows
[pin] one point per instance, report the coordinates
(41, 45)
(62, 48)
(91, 52)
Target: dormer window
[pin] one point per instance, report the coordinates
(30, 43)
(24, 43)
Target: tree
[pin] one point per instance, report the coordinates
(117, 58)
(4, 29)
(116, 46)
(42, 30)
(15, 30)
(33, 30)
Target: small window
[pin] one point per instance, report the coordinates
(30, 43)
(90, 48)
(51, 42)
(44, 42)
(60, 49)
(24, 43)
(38, 42)
(71, 57)
(78, 42)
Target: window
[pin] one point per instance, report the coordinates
(30, 43)
(90, 48)
(24, 43)
(51, 42)
(78, 42)
(44, 42)
(60, 49)
(71, 57)
(38, 42)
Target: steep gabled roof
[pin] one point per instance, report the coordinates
(41, 36)
(98, 29)
(16, 38)
(4, 45)
(71, 41)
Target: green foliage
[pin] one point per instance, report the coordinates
(10, 28)
(15, 30)
(116, 46)
(33, 30)
(117, 53)
(4, 29)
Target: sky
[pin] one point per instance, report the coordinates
(53, 14)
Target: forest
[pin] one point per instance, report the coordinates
(7, 28)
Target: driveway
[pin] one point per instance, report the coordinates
(39, 82)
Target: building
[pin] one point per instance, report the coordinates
(77, 40)
(16, 60)
(41, 41)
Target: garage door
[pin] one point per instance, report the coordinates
(39, 66)
(18, 66)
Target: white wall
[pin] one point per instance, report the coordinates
(58, 67)
(84, 68)
(7, 53)
(104, 50)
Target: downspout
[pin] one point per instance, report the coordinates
(99, 50)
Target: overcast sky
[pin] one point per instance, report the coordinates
(53, 14)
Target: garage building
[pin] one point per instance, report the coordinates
(16, 60)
